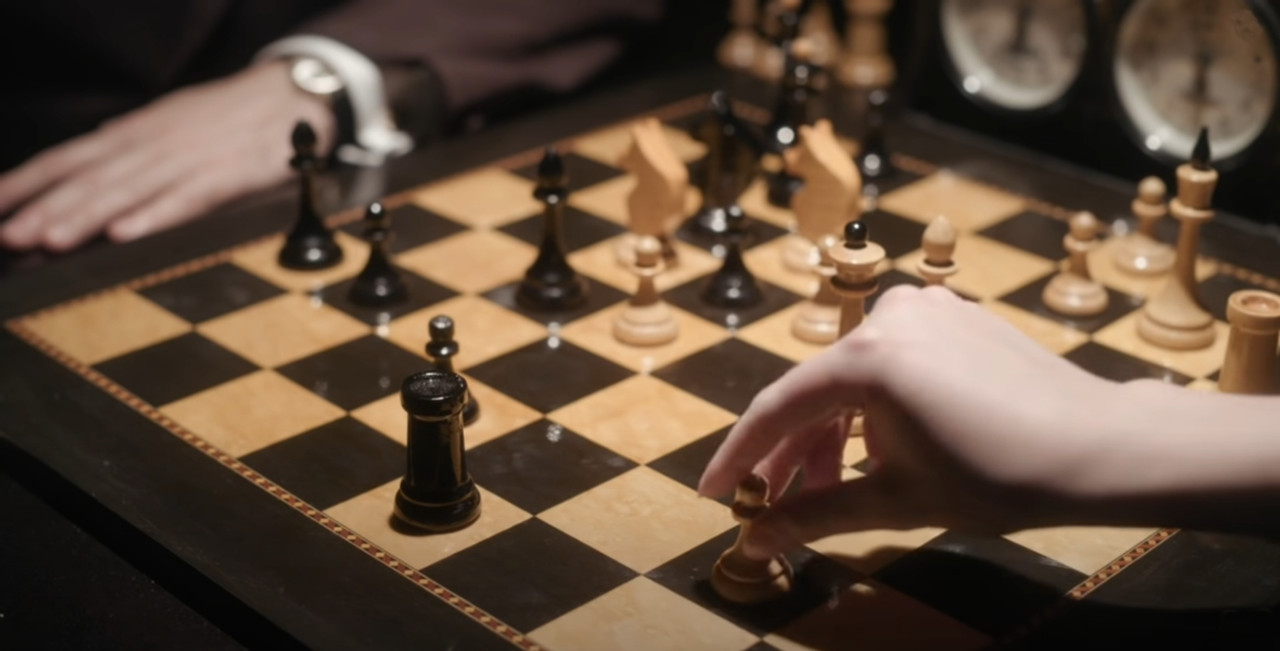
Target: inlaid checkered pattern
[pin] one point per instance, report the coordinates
(587, 450)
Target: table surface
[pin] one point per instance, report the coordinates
(178, 535)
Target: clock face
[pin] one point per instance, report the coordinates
(1020, 55)
(1185, 64)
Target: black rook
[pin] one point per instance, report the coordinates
(437, 494)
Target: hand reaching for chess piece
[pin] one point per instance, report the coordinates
(972, 426)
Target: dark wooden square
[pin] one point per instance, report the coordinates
(355, 373)
(548, 374)
(211, 292)
(728, 374)
(176, 368)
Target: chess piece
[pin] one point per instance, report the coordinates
(1175, 318)
(1073, 291)
(829, 198)
(656, 204)
(733, 154)
(818, 28)
(866, 63)
(378, 284)
(738, 578)
(855, 261)
(782, 23)
(437, 493)
(1140, 252)
(310, 245)
(799, 86)
(1250, 363)
(740, 48)
(818, 319)
(442, 348)
(550, 284)
(646, 320)
(873, 158)
(939, 244)
(732, 286)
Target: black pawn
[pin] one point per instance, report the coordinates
(733, 155)
(873, 158)
(379, 283)
(437, 493)
(442, 348)
(310, 244)
(551, 284)
(732, 286)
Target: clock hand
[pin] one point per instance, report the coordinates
(1021, 18)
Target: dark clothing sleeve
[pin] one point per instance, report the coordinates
(484, 50)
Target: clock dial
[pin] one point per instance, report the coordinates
(1184, 64)
(1018, 54)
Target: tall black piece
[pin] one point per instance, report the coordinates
(733, 156)
(437, 493)
(441, 348)
(379, 282)
(799, 86)
(310, 244)
(732, 286)
(873, 157)
(551, 284)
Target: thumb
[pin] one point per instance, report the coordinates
(855, 505)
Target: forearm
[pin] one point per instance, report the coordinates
(1183, 458)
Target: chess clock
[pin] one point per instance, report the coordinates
(1015, 56)
(1117, 86)
(1178, 65)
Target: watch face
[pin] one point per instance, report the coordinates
(315, 77)
(1185, 64)
(1020, 55)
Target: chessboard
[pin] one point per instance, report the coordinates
(586, 451)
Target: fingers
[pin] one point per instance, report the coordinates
(791, 453)
(858, 504)
(46, 169)
(808, 394)
(826, 457)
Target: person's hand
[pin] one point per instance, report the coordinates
(969, 425)
(163, 164)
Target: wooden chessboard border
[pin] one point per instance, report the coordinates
(680, 109)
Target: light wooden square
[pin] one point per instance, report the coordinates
(609, 199)
(970, 205)
(642, 418)
(987, 268)
(1054, 336)
(600, 261)
(482, 329)
(282, 329)
(610, 144)
(472, 261)
(484, 198)
(1103, 268)
(1087, 549)
(643, 616)
(773, 333)
(498, 415)
(755, 202)
(595, 333)
(1123, 336)
(369, 515)
(106, 326)
(871, 616)
(641, 518)
(260, 259)
(765, 262)
(252, 412)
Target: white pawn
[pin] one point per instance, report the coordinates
(1073, 291)
(1140, 252)
(646, 320)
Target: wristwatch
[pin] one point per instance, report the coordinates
(353, 86)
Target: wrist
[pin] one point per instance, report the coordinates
(300, 105)
(1169, 456)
